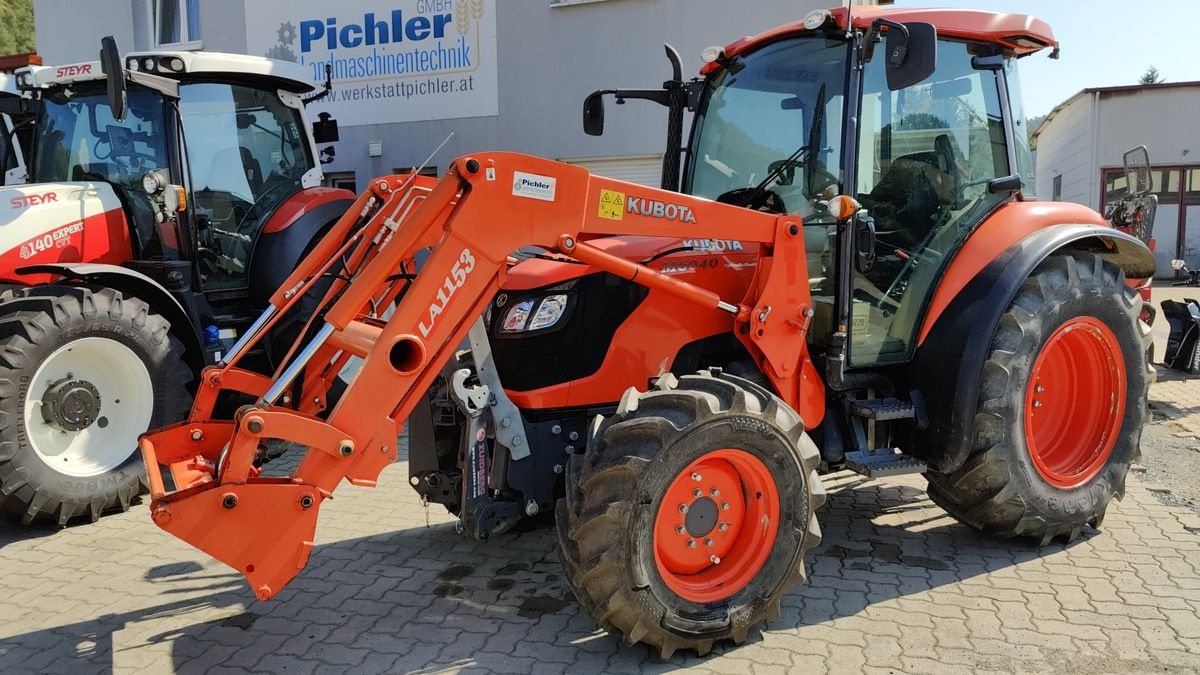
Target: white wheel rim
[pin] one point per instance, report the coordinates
(126, 406)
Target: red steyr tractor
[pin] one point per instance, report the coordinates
(168, 195)
(845, 271)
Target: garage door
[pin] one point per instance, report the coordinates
(646, 169)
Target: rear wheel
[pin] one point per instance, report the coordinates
(83, 373)
(690, 513)
(1061, 406)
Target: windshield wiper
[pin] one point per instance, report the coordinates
(798, 155)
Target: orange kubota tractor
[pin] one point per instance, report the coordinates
(845, 271)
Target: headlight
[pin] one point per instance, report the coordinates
(534, 314)
(515, 319)
(152, 182)
(549, 312)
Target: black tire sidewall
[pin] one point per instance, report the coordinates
(726, 431)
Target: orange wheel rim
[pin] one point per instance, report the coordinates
(1075, 402)
(716, 525)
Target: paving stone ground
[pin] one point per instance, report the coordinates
(896, 586)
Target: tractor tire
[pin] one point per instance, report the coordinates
(83, 372)
(1061, 406)
(673, 578)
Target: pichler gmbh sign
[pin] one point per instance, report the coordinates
(393, 61)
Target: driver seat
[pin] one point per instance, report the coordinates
(913, 189)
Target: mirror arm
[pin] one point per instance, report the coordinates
(659, 96)
(872, 37)
(325, 90)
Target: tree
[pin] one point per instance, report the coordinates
(1151, 76)
(16, 27)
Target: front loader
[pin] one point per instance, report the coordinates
(845, 273)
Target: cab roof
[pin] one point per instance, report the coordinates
(1019, 33)
(179, 65)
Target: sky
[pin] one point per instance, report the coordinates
(1104, 43)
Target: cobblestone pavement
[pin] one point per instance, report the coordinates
(897, 586)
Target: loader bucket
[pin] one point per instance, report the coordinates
(264, 529)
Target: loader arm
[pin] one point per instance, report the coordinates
(486, 207)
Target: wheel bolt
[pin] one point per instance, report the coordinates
(708, 541)
(715, 492)
(724, 527)
(697, 492)
(678, 529)
(1039, 388)
(1037, 404)
(724, 506)
(714, 560)
(691, 543)
(696, 477)
(683, 508)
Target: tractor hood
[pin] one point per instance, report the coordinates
(61, 223)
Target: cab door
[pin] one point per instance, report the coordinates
(926, 155)
(12, 154)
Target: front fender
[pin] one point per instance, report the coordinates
(134, 283)
(949, 361)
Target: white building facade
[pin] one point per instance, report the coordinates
(1080, 144)
(409, 74)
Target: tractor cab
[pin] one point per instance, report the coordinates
(818, 116)
(201, 149)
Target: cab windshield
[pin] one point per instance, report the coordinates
(247, 153)
(770, 128)
(78, 139)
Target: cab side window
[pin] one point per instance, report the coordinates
(926, 156)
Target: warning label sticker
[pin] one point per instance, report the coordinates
(612, 205)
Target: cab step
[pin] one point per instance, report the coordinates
(884, 462)
(882, 409)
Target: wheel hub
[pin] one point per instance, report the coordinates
(701, 517)
(71, 404)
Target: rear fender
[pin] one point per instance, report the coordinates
(134, 283)
(949, 361)
(287, 235)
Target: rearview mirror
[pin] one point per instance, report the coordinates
(1137, 170)
(325, 129)
(114, 71)
(951, 89)
(1176, 264)
(911, 53)
(593, 114)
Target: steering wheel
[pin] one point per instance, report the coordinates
(260, 199)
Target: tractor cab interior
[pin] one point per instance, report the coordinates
(250, 156)
(770, 134)
(78, 139)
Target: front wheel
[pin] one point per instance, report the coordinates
(1061, 406)
(83, 372)
(689, 515)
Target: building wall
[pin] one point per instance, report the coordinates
(549, 58)
(1165, 120)
(1065, 149)
(1092, 132)
(69, 31)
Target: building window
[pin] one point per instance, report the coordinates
(430, 171)
(1057, 189)
(177, 23)
(345, 181)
